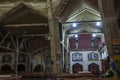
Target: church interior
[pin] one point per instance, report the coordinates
(59, 39)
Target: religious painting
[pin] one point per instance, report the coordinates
(92, 56)
(77, 57)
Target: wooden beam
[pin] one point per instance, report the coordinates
(82, 21)
(14, 16)
(17, 53)
(4, 38)
(12, 49)
(11, 36)
(27, 25)
(60, 8)
(38, 50)
(25, 35)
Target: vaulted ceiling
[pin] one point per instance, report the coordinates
(85, 13)
(25, 17)
(70, 8)
(28, 17)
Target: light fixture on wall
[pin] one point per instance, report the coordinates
(93, 35)
(74, 24)
(98, 23)
(76, 35)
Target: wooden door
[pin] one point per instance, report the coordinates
(77, 68)
(94, 68)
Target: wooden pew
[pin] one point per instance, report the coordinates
(10, 77)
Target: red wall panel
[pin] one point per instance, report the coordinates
(84, 42)
(37, 43)
(72, 43)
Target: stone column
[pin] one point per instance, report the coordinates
(54, 39)
(110, 25)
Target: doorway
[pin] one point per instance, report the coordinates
(77, 68)
(21, 68)
(93, 68)
(6, 69)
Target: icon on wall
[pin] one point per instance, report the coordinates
(92, 56)
(7, 58)
(77, 57)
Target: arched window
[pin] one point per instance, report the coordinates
(6, 58)
(21, 68)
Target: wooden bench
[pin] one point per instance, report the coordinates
(10, 77)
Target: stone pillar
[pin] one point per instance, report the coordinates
(54, 39)
(110, 25)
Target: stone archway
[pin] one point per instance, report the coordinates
(21, 68)
(6, 69)
(76, 68)
(94, 68)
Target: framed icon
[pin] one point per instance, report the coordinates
(92, 56)
(77, 57)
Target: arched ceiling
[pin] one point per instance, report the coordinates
(35, 11)
(40, 5)
(30, 17)
(25, 17)
(70, 8)
(84, 13)
(23, 14)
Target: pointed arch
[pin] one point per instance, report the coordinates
(77, 68)
(94, 68)
(6, 68)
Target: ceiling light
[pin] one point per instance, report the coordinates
(98, 23)
(94, 35)
(74, 24)
(76, 36)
